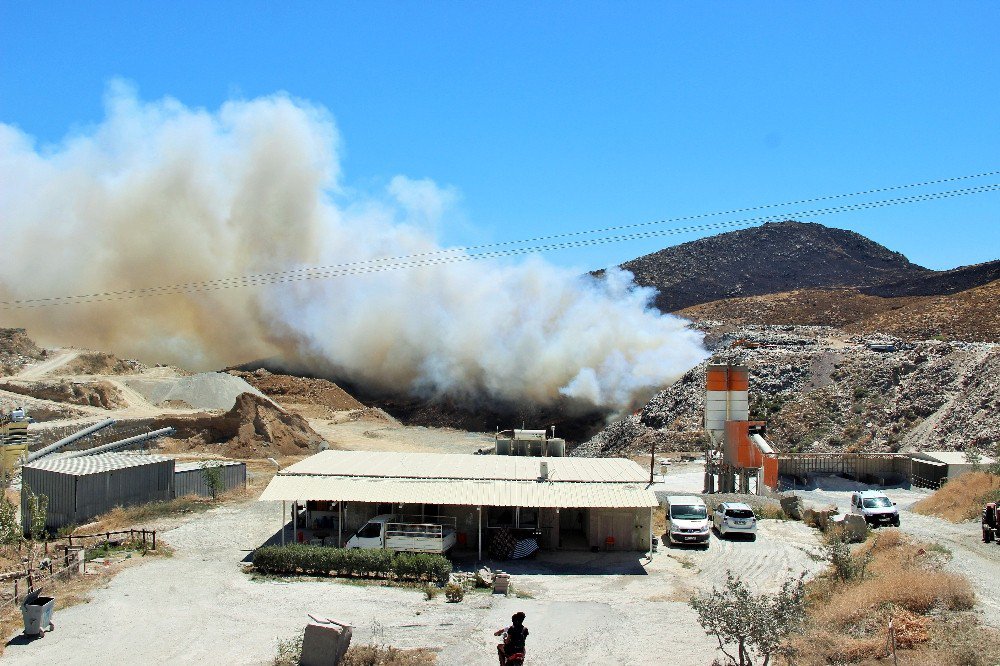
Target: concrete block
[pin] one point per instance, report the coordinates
(501, 583)
(855, 528)
(325, 641)
(792, 506)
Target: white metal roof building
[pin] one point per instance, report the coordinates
(536, 488)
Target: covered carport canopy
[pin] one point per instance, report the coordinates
(464, 480)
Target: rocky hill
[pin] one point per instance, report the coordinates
(771, 258)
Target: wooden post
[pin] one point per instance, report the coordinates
(652, 458)
(71, 540)
(154, 539)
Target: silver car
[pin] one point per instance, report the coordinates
(735, 518)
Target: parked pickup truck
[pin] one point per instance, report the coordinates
(410, 534)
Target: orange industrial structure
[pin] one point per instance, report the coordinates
(739, 451)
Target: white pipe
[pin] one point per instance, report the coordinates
(122, 442)
(86, 432)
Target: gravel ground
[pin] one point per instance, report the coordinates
(582, 608)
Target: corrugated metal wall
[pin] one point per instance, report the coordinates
(74, 500)
(59, 488)
(192, 481)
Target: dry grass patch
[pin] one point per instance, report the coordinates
(961, 498)
(848, 619)
(374, 655)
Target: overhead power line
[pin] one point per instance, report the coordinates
(504, 249)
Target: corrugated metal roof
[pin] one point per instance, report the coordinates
(455, 492)
(188, 466)
(96, 464)
(387, 464)
(950, 457)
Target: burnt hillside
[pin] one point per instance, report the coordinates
(772, 258)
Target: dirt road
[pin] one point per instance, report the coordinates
(39, 370)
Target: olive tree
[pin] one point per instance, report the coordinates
(754, 624)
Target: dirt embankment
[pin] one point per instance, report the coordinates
(253, 428)
(93, 394)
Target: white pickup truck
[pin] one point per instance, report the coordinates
(409, 534)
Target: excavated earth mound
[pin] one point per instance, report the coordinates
(315, 397)
(93, 394)
(254, 428)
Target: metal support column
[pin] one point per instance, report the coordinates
(650, 532)
(480, 510)
(340, 525)
(283, 514)
(295, 521)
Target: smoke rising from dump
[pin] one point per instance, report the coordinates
(161, 194)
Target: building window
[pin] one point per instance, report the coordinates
(527, 517)
(500, 516)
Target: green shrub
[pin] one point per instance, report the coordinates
(353, 563)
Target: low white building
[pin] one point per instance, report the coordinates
(941, 465)
(572, 503)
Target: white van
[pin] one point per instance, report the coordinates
(687, 520)
(411, 534)
(876, 507)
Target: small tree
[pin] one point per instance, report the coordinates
(213, 478)
(974, 458)
(38, 510)
(756, 625)
(10, 530)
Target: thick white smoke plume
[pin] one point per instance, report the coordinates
(161, 194)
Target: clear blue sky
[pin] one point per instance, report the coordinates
(551, 117)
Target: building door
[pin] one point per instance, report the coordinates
(617, 525)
